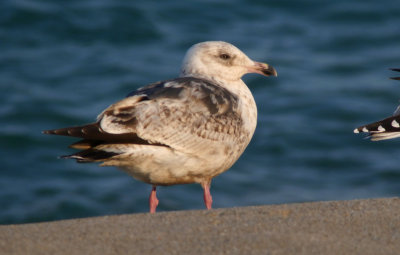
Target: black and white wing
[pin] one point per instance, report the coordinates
(388, 128)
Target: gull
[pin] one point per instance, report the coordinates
(184, 130)
(387, 128)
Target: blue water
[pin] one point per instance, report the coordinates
(63, 62)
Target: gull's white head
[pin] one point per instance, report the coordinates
(220, 61)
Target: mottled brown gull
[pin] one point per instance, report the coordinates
(185, 130)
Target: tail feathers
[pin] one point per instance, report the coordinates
(383, 136)
(388, 128)
(85, 144)
(91, 155)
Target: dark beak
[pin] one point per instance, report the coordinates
(263, 68)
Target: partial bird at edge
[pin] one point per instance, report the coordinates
(388, 128)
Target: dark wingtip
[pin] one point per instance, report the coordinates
(396, 70)
(73, 156)
(76, 157)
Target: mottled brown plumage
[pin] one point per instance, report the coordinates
(189, 129)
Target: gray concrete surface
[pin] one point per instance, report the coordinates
(369, 226)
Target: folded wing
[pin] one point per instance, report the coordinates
(185, 114)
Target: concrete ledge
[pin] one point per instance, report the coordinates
(369, 226)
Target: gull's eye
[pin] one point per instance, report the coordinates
(224, 56)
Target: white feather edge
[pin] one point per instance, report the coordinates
(384, 136)
(106, 121)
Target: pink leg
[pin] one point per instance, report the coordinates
(153, 200)
(207, 195)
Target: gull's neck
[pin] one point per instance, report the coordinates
(235, 86)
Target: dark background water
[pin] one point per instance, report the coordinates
(63, 62)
